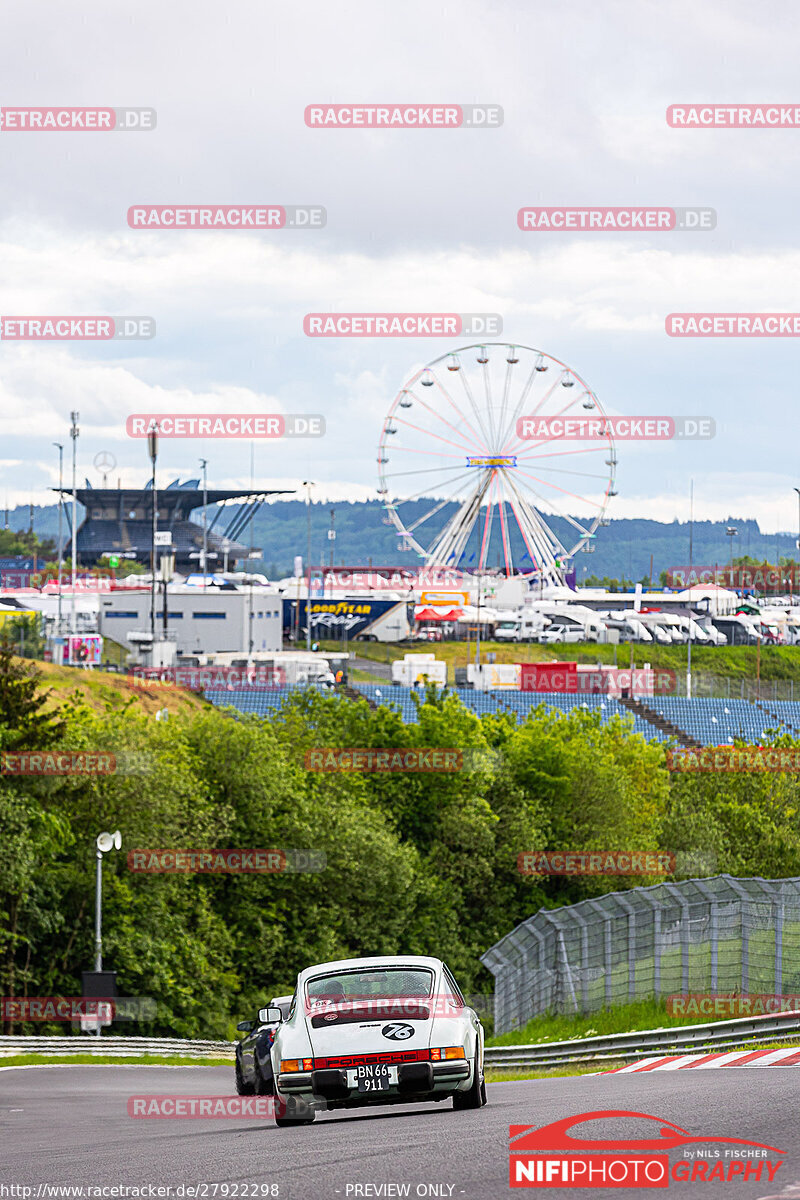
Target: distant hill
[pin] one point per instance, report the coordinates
(622, 548)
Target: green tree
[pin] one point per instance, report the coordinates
(22, 721)
(26, 634)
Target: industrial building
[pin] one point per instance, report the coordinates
(199, 621)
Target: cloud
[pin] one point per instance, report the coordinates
(417, 221)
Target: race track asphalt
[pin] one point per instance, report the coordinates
(68, 1126)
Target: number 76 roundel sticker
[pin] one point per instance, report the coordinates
(397, 1031)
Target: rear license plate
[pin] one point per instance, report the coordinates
(373, 1077)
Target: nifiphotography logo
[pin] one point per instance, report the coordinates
(551, 1157)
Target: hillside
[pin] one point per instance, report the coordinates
(101, 691)
(623, 547)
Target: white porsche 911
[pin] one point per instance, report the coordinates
(369, 1031)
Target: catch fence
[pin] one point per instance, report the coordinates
(717, 935)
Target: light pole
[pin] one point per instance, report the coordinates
(167, 571)
(152, 448)
(307, 484)
(73, 433)
(60, 449)
(731, 533)
(104, 843)
(794, 573)
(691, 618)
(204, 464)
(478, 634)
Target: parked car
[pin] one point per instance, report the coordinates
(740, 631)
(253, 1070)
(507, 631)
(428, 633)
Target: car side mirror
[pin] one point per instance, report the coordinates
(270, 1016)
(245, 1026)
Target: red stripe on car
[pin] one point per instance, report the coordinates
(359, 1060)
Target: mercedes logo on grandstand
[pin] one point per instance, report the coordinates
(397, 1032)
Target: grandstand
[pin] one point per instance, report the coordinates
(704, 721)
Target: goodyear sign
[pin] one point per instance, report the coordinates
(349, 616)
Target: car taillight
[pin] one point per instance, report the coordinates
(444, 1052)
(288, 1065)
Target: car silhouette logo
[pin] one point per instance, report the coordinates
(556, 1136)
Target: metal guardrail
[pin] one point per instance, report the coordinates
(120, 1047)
(713, 1036)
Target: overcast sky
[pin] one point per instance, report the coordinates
(417, 221)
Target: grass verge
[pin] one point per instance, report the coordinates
(495, 1075)
(623, 1018)
(725, 662)
(147, 1060)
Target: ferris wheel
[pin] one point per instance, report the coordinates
(461, 486)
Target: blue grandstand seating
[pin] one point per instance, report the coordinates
(714, 722)
(709, 721)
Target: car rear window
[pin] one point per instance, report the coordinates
(414, 982)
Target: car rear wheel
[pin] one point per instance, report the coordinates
(242, 1088)
(292, 1111)
(476, 1096)
(262, 1086)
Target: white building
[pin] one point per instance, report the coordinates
(210, 621)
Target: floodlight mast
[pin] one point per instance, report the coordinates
(105, 842)
(152, 449)
(59, 446)
(73, 433)
(204, 465)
